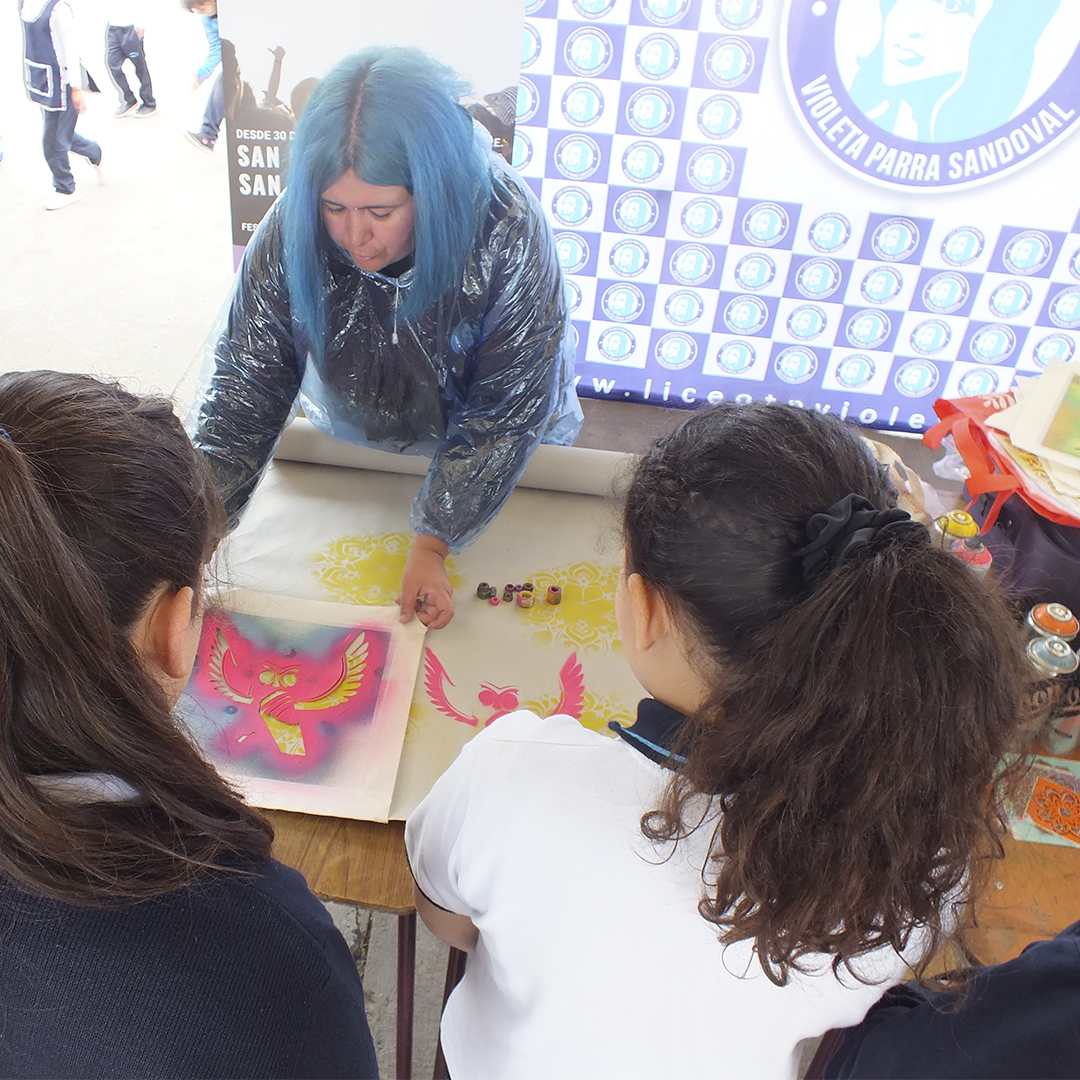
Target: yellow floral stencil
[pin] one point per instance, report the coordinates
(596, 711)
(585, 620)
(368, 569)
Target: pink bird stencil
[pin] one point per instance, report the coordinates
(502, 699)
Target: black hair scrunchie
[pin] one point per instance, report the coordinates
(853, 521)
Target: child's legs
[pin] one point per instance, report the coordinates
(116, 57)
(138, 62)
(215, 109)
(58, 128)
(87, 148)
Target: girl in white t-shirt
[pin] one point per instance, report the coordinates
(808, 783)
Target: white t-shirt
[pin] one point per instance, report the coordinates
(593, 960)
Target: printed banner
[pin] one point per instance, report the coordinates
(855, 205)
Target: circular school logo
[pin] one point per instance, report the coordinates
(946, 293)
(807, 322)
(577, 157)
(916, 378)
(665, 12)
(530, 46)
(701, 217)
(684, 307)
(1010, 298)
(1056, 347)
(992, 344)
(593, 9)
(636, 211)
(528, 101)
(642, 161)
(932, 95)
(881, 284)
(571, 206)
(692, 264)
(533, 6)
(765, 224)
(738, 14)
(572, 251)
(977, 382)
(868, 328)
(1074, 264)
(657, 56)
(963, 245)
(796, 365)
(582, 104)
(650, 111)
(675, 351)
(573, 293)
(829, 233)
(930, 337)
(616, 344)
(523, 150)
(754, 271)
(729, 61)
(745, 315)
(1027, 252)
(710, 169)
(735, 357)
(895, 239)
(628, 258)
(817, 279)
(719, 116)
(623, 302)
(587, 51)
(855, 371)
(1065, 309)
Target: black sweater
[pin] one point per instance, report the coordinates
(234, 977)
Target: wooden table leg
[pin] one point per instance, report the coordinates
(455, 968)
(406, 979)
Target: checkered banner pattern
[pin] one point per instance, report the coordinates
(712, 251)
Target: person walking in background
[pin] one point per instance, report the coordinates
(207, 135)
(125, 38)
(53, 76)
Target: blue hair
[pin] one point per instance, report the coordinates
(391, 115)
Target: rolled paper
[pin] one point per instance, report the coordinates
(483, 591)
(525, 599)
(508, 596)
(528, 587)
(554, 594)
(493, 600)
(552, 468)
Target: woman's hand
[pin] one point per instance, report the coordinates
(425, 587)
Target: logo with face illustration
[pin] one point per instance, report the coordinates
(932, 95)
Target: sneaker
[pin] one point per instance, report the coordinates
(59, 199)
(144, 111)
(126, 109)
(98, 172)
(197, 138)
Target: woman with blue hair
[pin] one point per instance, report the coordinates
(405, 286)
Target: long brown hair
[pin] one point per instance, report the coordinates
(103, 501)
(855, 726)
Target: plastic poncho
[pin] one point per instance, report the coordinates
(476, 382)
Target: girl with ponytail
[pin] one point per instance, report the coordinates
(146, 930)
(810, 782)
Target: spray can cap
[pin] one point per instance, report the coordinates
(1053, 620)
(1052, 656)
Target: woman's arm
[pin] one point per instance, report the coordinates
(252, 374)
(520, 372)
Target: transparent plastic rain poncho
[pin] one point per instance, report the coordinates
(476, 382)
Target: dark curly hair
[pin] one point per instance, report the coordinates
(103, 500)
(855, 728)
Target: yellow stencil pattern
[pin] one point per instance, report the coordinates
(585, 620)
(367, 569)
(289, 738)
(596, 711)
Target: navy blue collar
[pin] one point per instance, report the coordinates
(655, 732)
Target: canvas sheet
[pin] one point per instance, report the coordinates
(302, 703)
(318, 532)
